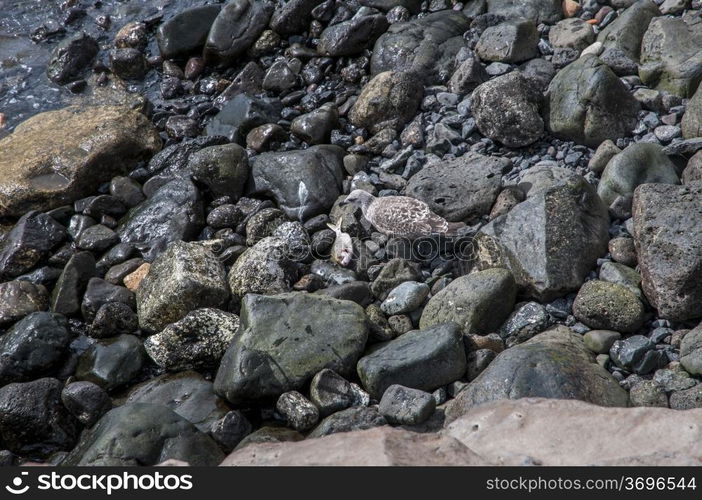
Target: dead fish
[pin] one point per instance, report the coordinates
(342, 250)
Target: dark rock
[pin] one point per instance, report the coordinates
(351, 419)
(112, 363)
(186, 32)
(404, 406)
(100, 292)
(20, 298)
(351, 37)
(298, 411)
(264, 268)
(143, 434)
(469, 74)
(112, 319)
(97, 238)
(331, 393)
(293, 16)
(404, 360)
(315, 127)
(243, 113)
(71, 58)
(128, 64)
(627, 30)
(279, 78)
(86, 401)
(636, 354)
(230, 430)
(509, 42)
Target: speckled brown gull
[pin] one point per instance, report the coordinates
(401, 216)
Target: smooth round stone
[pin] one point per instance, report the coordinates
(600, 341)
(405, 298)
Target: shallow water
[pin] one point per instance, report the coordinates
(25, 89)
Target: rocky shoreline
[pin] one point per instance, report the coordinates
(172, 215)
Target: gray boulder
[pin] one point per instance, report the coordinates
(506, 109)
(143, 434)
(479, 302)
(186, 276)
(588, 104)
(554, 364)
(224, 169)
(351, 37)
(242, 114)
(509, 42)
(405, 360)
(550, 242)
(668, 239)
(293, 16)
(425, 46)
(626, 31)
(304, 183)
(691, 351)
(186, 32)
(463, 189)
(285, 340)
(405, 406)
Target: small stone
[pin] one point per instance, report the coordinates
(331, 392)
(636, 354)
(601, 341)
(299, 412)
(405, 298)
(133, 280)
(648, 393)
(405, 406)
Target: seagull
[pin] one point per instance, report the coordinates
(401, 216)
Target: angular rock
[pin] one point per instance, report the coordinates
(20, 298)
(299, 412)
(112, 363)
(588, 104)
(404, 406)
(478, 303)
(185, 277)
(550, 242)
(223, 169)
(62, 171)
(404, 361)
(636, 354)
(285, 340)
(293, 16)
(69, 289)
(627, 30)
(509, 42)
(315, 127)
(668, 241)
(71, 58)
(330, 392)
(394, 273)
(186, 32)
(242, 114)
(100, 292)
(351, 37)
(571, 33)
(264, 268)
(86, 401)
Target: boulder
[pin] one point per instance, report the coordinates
(71, 58)
(267, 268)
(550, 242)
(112, 363)
(285, 340)
(626, 31)
(692, 119)
(554, 364)
(44, 164)
(242, 114)
(588, 104)
(293, 16)
(404, 360)
(572, 33)
(304, 183)
(143, 434)
(186, 32)
(350, 37)
(608, 306)
(509, 42)
(668, 240)
(185, 277)
(479, 302)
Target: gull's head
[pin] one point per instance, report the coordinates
(359, 198)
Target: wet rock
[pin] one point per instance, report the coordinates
(608, 306)
(298, 411)
(132, 35)
(293, 17)
(554, 364)
(143, 434)
(187, 393)
(525, 322)
(71, 58)
(236, 28)
(463, 189)
(404, 406)
(636, 354)
(627, 30)
(20, 298)
(351, 419)
(33, 422)
(230, 430)
(404, 360)
(86, 401)
(285, 340)
(561, 215)
(479, 302)
(174, 212)
(197, 341)
(223, 169)
(304, 183)
(33, 347)
(506, 109)
(425, 46)
(98, 293)
(315, 127)
(242, 114)
(351, 37)
(670, 58)
(279, 78)
(186, 32)
(112, 319)
(588, 104)
(97, 238)
(112, 363)
(330, 392)
(128, 64)
(509, 42)
(667, 238)
(185, 277)
(61, 171)
(174, 159)
(640, 163)
(390, 99)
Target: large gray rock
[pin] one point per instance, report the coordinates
(588, 104)
(172, 213)
(509, 42)
(143, 434)
(463, 189)
(405, 360)
(285, 340)
(670, 55)
(627, 30)
(351, 37)
(112, 363)
(186, 276)
(224, 169)
(389, 100)
(61, 170)
(554, 364)
(304, 183)
(668, 239)
(506, 109)
(425, 46)
(197, 341)
(692, 119)
(550, 242)
(186, 33)
(479, 302)
(640, 163)
(187, 393)
(236, 28)
(538, 11)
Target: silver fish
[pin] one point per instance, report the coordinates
(342, 250)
